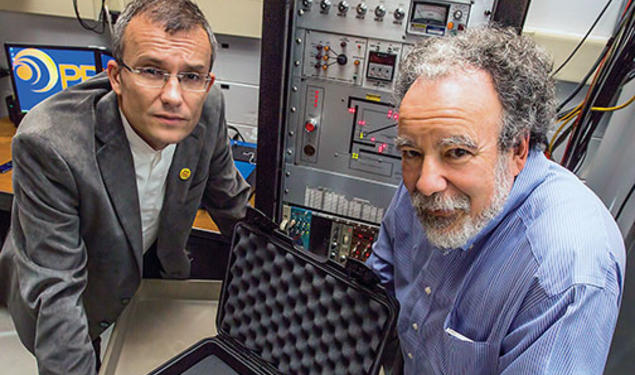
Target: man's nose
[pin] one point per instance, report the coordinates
(431, 177)
(171, 93)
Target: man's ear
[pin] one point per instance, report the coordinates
(520, 151)
(114, 75)
(211, 82)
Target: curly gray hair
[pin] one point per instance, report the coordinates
(519, 69)
(173, 15)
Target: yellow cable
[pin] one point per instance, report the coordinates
(609, 109)
(575, 111)
(555, 135)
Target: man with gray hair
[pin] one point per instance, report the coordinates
(503, 261)
(108, 176)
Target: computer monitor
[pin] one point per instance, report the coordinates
(40, 71)
(104, 56)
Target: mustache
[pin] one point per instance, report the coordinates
(439, 202)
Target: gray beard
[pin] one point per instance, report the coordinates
(453, 232)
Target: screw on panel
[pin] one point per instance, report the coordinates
(300, 12)
(286, 191)
(289, 151)
(298, 40)
(294, 88)
(291, 133)
(287, 173)
(297, 62)
(293, 109)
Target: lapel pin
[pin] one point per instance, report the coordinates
(185, 174)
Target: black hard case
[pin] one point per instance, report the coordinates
(282, 310)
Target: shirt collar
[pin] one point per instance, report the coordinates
(137, 144)
(529, 177)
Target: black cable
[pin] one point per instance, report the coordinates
(566, 61)
(237, 135)
(585, 79)
(610, 78)
(624, 202)
(100, 20)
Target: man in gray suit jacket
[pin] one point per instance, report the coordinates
(109, 169)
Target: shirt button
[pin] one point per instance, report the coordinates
(410, 355)
(415, 326)
(428, 290)
(124, 301)
(104, 324)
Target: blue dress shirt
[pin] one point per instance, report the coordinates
(537, 291)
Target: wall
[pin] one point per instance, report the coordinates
(239, 18)
(559, 25)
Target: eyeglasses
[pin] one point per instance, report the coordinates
(155, 78)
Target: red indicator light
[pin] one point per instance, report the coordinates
(351, 110)
(309, 126)
(373, 139)
(395, 116)
(361, 122)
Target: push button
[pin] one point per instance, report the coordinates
(104, 324)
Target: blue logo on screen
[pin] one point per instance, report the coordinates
(40, 73)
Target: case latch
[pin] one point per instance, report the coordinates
(359, 271)
(260, 220)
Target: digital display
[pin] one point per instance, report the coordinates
(430, 14)
(38, 72)
(382, 58)
(381, 66)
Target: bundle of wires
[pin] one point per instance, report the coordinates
(613, 68)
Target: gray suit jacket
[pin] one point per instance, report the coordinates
(73, 257)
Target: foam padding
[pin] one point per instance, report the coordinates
(296, 315)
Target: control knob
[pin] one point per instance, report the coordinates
(343, 7)
(342, 59)
(380, 11)
(458, 14)
(399, 14)
(362, 8)
(325, 4)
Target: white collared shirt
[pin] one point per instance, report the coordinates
(151, 168)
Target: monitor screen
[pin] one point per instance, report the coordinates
(41, 71)
(104, 57)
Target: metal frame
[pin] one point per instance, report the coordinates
(273, 73)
